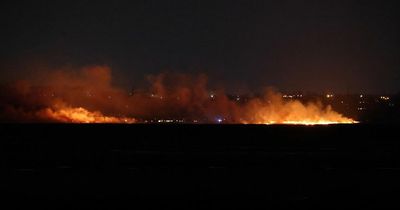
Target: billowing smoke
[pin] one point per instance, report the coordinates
(88, 96)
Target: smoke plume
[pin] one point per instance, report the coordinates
(88, 95)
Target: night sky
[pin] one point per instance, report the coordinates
(339, 46)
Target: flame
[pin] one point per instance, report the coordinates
(313, 122)
(278, 112)
(294, 112)
(81, 115)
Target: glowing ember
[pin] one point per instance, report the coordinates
(81, 115)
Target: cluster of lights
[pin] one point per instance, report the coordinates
(384, 98)
(219, 120)
(292, 96)
(329, 95)
(165, 121)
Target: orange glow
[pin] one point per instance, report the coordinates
(312, 122)
(326, 117)
(295, 112)
(81, 115)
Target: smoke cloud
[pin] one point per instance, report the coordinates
(88, 95)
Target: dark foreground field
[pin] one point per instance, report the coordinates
(200, 166)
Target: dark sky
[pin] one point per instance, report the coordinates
(244, 45)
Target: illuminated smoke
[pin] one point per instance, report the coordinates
(88, 96)
(62, 113)
(278, 111)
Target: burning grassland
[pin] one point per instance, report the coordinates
(88, 96)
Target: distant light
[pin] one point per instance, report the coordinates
(288, 96)
(329, 95)
(219, 120)
(361, 96)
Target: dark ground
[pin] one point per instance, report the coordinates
(200, 166)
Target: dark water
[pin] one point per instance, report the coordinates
(200, 166)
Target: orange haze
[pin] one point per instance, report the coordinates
(88, 96)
